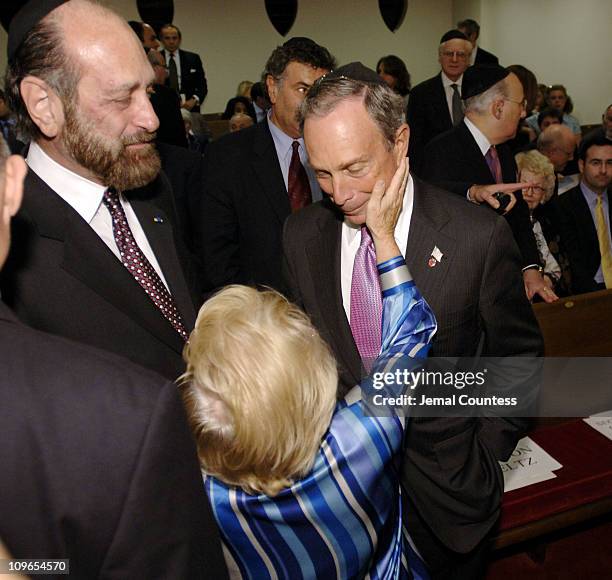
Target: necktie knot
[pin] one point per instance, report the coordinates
(366, 238)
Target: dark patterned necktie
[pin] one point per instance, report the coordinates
(297, 183)
(366, 301)
(173, 81)
(138, 265)
(457, 105)
(492, 159)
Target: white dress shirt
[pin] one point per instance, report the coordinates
(85, 197)
(448, 91)
(351, 238)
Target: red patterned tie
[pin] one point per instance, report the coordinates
(492, 160)
(138, 265)
(298, 186)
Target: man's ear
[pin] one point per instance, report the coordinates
(272, 85)
(400, 148)
(15, 170)
(581, 166)
(44, 106)
(497, 108)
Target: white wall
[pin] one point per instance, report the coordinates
(562, 41)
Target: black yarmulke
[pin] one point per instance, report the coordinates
(28, 16)
(453, 34)
(356, 71)
(477, 79)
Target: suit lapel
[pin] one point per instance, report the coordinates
(323, 251)
(267, 169)
(88, 259)
(426, 225)
(442, 104)
(160, 235)
(474, 157)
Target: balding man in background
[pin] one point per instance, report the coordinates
(96, 257)
(558, 143)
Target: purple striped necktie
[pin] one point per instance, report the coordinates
(492, 159)
(366, 301)
(138, 265)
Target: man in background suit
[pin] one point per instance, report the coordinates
(257, 176)
(473, 161)
(471, 29)
(97, 258)
(467, 267)
(585, 218)
(98, 464)
(185, 71)
(435, 106)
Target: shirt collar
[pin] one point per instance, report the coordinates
(282, 141)
(82, 194)
(483, 143)
(447, 82)
(589, 194)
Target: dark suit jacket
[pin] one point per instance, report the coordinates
(427, 115)
(98, 464)
(450, 469)
(579, 237)
(243, 210)
(454, 162)
(60, 277)
(192, 80)
(484, 57)
(167, 106)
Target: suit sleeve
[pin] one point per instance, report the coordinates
(166, 528)
(437, 170)
(201, 84)
(292, 288)
(217, 231)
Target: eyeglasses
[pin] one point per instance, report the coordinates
(457, 53)
(522, 104)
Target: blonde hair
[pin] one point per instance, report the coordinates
(539, 164)
(260, 389)
(244, 89)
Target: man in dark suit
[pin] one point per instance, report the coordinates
(257, 176)
(98, 464)
(97, 258)
(585, 218)
(435, 106)
(471, 29)
(185, 71)
(467, 267)
(473, 161)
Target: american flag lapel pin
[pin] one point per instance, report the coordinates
(158, 219)
(435, 258)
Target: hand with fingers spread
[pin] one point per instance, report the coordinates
(383, 211)
(486, 193)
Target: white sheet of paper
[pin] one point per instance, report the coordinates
(528, 464)
(602, 422)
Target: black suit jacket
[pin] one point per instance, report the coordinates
(454, 162)
(60, 277)
(243, 210)
(427, 115)
(98, 464)
(579, 237)
(450, 470)
(192, 79)
(167, 106)
(484, 57)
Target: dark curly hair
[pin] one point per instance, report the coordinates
(297, 49)
(231, 104)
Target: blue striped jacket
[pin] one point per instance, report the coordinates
(344, 519)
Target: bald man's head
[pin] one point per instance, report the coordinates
(558, 143)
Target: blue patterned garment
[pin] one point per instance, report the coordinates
(344, 519)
